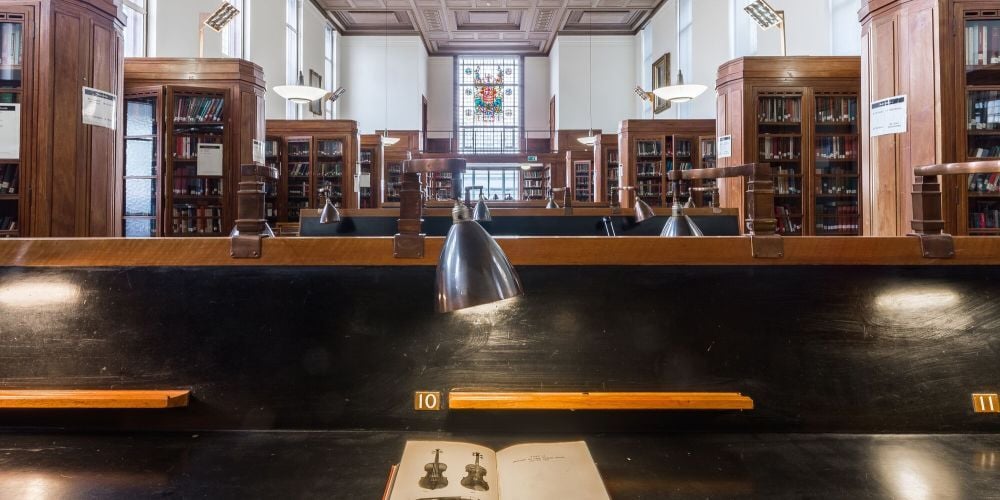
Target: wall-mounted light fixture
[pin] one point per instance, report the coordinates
(216, 21)
(767, 17)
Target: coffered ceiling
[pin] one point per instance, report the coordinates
(489, 26)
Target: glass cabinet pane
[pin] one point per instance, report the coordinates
(140, 228)
(11, 48)
(140, 197)
(140, 116)
(140, 157)
(330, 155)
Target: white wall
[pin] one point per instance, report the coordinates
(537, 90)
(440, 96)
(266, 46)
(363, 73)
(554, 60)
(807, 29)
(611, 79)
(176, 23)
(709, 53)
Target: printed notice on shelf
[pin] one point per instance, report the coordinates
(10, 131)
(365, 180)
(99, 108)
(209, 159)
(258, 152)
(725, 146)
(888, 116)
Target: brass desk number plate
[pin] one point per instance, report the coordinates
(985, 403)
(427, 401)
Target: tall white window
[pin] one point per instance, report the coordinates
(135, 27)
(293, 52)
(232, 34)
(845, 29)
(685, 23)
(328, 66)
(744, 32)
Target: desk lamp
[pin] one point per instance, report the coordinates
(472, 269)
(642, 209)
(678, 224)
(330, 212)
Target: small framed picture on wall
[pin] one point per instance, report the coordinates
(661, 78)
(316, 80)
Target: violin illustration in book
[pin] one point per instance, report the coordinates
(475, 481)
(435, 473)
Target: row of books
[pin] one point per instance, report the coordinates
(708, 149)
(582, 168)
(298, 149)
(8, 223)
(186, 147)
(837, 169)
(837, 185)
(649, 169)
(366, 156)
(534, 174)
(836, 148)
(984, 183)
(780, 109)
(533, 194)
(648, 188)
(298, 170)
(394, 169)
(11, 43)
(197, 219)
(329, 170)
(197, 109)
(985, 216)
(787, 221)
(837, 217)
(649, 148)
(984, 110)
(784, 183)
(613, 157)
(196, 186)
(682, 148)
(982, 43)
(8, 178)
(298, 189)
(992, 152)
(779, 148)
(270, 148)
(330, 149)
(836, 109)
(533, 184)
(582, 195)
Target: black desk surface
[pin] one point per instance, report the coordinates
(354, 465)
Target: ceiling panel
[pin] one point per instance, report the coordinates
(516, 26)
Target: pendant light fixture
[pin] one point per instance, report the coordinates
(680, 92)
(300, 93)
(590, 139)
(386, 140)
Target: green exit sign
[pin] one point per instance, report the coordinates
(532, 158)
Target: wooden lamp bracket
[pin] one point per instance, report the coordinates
(251, 224)
(928, 221)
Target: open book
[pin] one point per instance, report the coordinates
(442, 470)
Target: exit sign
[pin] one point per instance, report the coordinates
(532, 158)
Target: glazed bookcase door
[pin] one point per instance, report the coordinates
(612, 173)
(535, 183)
(332, 169)
(367, 178)
(196, 199)
(652, 160)
(298, 176)
(979, 138)
(142, 187)
(836, 164)
(780, 135)
(393, 176)
(583, 181)
(273, 158)
(14, 68)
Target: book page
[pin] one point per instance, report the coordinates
(543, 471)
(455, 477)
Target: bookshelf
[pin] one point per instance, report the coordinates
(535, 183)
(190, 123)
(393, 175)
(142, 165)
(370, 165)
(606, 160)
(581, 176)
(651, 148)
(806, 127)
(980, 194)
(63, 177)
(314, 153)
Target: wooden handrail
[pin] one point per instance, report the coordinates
(971, 167)
(93, 399)
(928, 219)
(462, 400)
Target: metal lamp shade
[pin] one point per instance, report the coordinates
(482, 212)
(330, 213)
(551, 204)
(473, 270)
(642, 210)
(680, 225)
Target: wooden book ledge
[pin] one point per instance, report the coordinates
(460, 400)
(63, 399)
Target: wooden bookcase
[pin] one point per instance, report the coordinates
(806, 127)
(581, 176)
(62, 179)
(606, 160)
(315, 153)
(536, 183)
(370, 164)
(173, 106)
(393, 156)
(651, 148)
(273, 157)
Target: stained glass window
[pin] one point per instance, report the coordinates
(489, 104)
